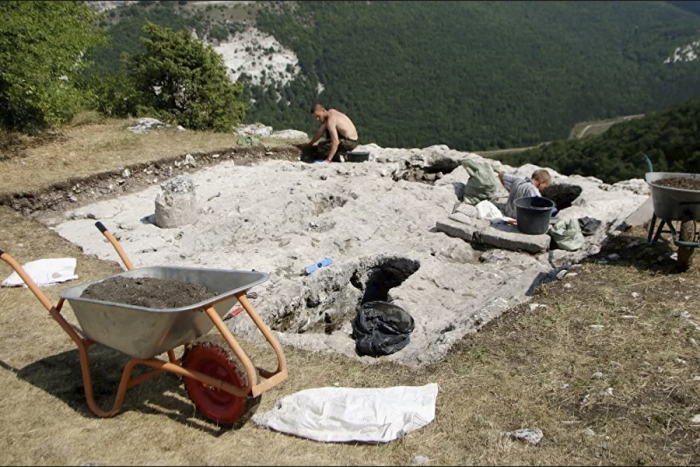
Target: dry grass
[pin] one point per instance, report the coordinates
(85, 148)
(526, 369)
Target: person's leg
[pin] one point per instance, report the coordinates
(323, 148)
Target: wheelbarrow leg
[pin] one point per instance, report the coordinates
(652, 224)
(658, 232)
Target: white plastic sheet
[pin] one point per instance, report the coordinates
(336, 415)
(45, 272)
(487, 210)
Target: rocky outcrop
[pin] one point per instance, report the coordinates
(376, 220)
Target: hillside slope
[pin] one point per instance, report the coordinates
(472, 75)
(671, 139)
(479, 75)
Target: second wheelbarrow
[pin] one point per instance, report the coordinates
(219, 376)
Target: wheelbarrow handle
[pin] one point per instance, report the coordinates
(120, 251)
(27, 279)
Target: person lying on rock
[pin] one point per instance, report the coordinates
(341, 135)
(522, 188)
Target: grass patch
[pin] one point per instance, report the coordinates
(82, 149)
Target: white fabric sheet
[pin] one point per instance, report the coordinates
(45, 272)
(336, 415)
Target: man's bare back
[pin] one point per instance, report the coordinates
(342, 124)
(340, 132)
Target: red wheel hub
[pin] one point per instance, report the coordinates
(217, 405)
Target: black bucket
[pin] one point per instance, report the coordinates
(533, 214)
(357, 156)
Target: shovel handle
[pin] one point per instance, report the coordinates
(125, 259)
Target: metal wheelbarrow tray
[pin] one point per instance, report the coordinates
(675, 204)
(219, 378)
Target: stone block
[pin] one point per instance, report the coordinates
(176, 204)
(508, 237)
(459, 229)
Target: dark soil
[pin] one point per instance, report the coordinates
(679, 182)
(148, 292)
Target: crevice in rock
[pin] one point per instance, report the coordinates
(562, 194)
(385, 276)
(428, 174)
(330, 302)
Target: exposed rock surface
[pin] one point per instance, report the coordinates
(144, 125)
(379, 230)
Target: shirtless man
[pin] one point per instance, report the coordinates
(341, 135)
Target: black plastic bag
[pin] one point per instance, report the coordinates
(381, 328)
(589, 226)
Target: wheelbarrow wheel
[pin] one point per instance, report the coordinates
(216, 360)
(686, 234)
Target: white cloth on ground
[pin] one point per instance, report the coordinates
(45, 272)
(336, 415)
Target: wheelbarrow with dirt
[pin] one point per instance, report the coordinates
(676, 199)
(218, 374)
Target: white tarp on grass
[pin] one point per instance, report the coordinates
(336, 415)
(45, 272)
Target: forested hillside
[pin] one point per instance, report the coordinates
(479, 75)
(472, 75)
(671, 139)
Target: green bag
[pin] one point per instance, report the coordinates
(567, 235)
(482, 184)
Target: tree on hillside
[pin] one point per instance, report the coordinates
(185, 79)
(42, 45)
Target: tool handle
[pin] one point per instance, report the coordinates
(125, 259)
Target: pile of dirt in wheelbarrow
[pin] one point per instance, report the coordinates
(680, 182)
(148, 292)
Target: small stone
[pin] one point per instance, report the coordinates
(180, 128)
(614, 257)
(695, 419)
(567, 286)
(607, 393)
(588, 432)
(529, 436)
(636, 295)
(126, 173)
(597, 375)
(534, 306)
(572, 274)
(73, 199)
(681, 361)
(418, 460)
(692, 342)
(189, 160)
(216, 156)
(562, 274)
(336, 384)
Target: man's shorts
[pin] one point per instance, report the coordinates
(345, 146)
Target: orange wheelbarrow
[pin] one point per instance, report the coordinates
(219, 376)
